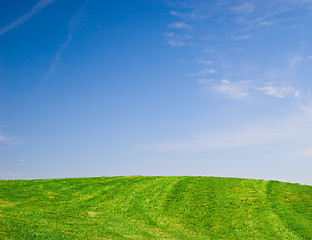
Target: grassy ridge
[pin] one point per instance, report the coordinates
(154, 208)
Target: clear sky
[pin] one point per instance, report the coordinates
(129, 87)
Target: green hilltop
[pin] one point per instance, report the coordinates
(154, 208)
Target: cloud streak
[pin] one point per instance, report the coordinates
(74, 22)
(179, 25)
(55, 61)
(2, 138)
(6, 139)
(35, 9)
(242, 37)
(248, 136)
(176, 43)
(236, 90)
(279, 92)
(244, 8)
(294, 61)
(243, 89)
(204, 72)
(291, 128)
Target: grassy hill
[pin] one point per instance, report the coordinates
(154, 208)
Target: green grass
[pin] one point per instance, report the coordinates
(154, 208)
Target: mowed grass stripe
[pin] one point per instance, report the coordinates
(154, 208)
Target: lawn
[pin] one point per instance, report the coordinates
(139, 207)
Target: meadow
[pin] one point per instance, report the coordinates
(140, 207)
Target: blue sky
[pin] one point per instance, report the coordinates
(105, 88)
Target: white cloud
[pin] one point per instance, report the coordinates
(244, 8)
(176, 43)
(279, 92)
(236, 90)
(74, 22)
(288, 129)
(209, 50)
(294, 61)
(204, 72)
(170, 34)
(246, 136)
(242, 37)
(35, 9)
(174, 13)
(178, 40)
(243, 89)
(265, 23)
(55, 61)
(4, 139)
(179, 25)
(252, 22)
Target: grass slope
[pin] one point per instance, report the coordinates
(154, 208)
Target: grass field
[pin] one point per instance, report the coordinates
(154, 208)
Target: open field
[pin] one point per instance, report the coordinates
(154, 208)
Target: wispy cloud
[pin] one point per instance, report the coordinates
(242, 137)
(176, 43)
(236, 90)
(253, 22)
(169, 34)
(2, 138)
(178, 40)
(247, 136)
(244, 8)
(175, 13)
(5, 139)
(179, 25)
(211, 71)
(204, 72)
(293, 127)
(243, 89)
(75, 20)
(273, 78)
(294, 61)
(209, 50)
(280, 92)
(242, 37)
(55, 61)
(35, 9)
